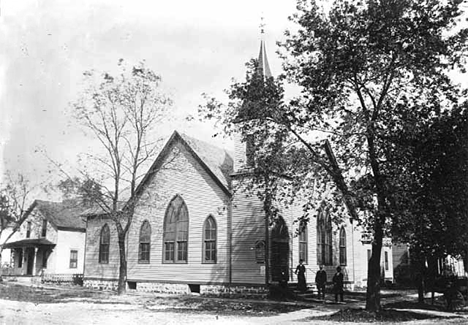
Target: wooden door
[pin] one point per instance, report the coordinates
(30, 256)
(279, 251)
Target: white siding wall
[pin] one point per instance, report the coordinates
(203, 197)
(67, 241)
(94, 269)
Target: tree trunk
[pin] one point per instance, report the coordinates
(122, 284)
(1, 267)
(421, 289)
(373, 272)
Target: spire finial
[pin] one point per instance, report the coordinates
(262, 25)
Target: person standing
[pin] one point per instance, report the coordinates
(320, 281)
(301, 281)
(338, 284)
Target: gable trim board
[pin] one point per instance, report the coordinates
(170, 144)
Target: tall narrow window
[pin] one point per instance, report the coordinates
(319, 244)
(209, 240)
(249, 150)
(28, 229)
(145, 243)
(386, 261)
(260, 248)
(44, 228)
(176, 232)
(303, 244)
(324, 239)
(73, 259)
(343, 259)
(104, 245)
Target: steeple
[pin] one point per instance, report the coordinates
(263, 65)
(244, 149)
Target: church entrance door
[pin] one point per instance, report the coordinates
(279, 251)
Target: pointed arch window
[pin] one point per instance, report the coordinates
(343, 259)
(104, 242)
(260, 249)
(324, 238)
(209, 240)
(176, 232)
(303, 243)
(145, 243)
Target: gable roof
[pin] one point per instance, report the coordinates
(62, 215)
(217, 162)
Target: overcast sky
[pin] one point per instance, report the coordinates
(46, 45)
(196, 46)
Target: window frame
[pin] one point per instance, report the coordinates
(303, 244)
(73, 261)
(44, 228)
(144, 243)
(212, 252)
(260, 251)
(324, 238)
(386, 263)
(104, 246)
(175, 248)
(28, 229)
(343, 253)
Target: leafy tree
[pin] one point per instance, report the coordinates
(276, 170)
(15, 195)
(435, 170)
(122, 113)
(365, 68)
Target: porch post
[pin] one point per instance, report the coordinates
(23, 259)
(34, 262)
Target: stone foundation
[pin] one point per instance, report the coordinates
(180, 288)
(100, 284)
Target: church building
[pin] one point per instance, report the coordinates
(191, 232)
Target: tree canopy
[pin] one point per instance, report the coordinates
(122, 112)
(367, 70)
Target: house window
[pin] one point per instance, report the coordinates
(324, 239)
(28, 229)
(260, 251)
(73, 259)
(145, 243)
(104, 245)
(343, 260)
(386, 261)
(44, 228)
(176, 232)
(209, 240)
(303, 244)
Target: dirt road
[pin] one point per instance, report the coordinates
(74, 313)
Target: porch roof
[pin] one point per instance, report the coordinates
(38, 242)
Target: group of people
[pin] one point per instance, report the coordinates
(321, 281)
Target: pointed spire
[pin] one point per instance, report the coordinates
(263, 65)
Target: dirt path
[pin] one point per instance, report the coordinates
(75, 305)
(25, 313)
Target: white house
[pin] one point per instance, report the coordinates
(50, 242)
